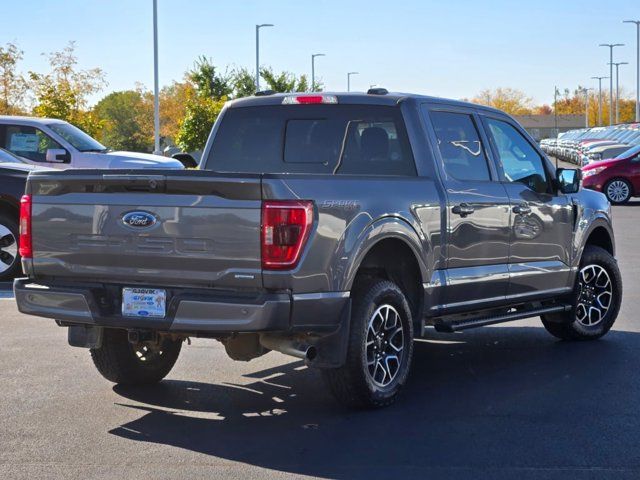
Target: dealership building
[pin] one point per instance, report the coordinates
(544, 126)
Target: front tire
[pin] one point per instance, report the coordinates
(618, 191)
(119, 361)
(379, 350)
(596, 299)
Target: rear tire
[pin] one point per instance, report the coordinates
(9, 258)
(119, 361)
(594, 310)
(379, 350)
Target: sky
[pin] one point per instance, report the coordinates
(453, 48)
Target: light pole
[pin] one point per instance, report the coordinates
(349, 80)
(258, 27)
(611, 46)
(555, 116)
(637, 22)
(599, 98)
(618, 89)
(156, 97)
(313, 69)
(586, 106)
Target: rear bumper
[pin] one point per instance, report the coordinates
(188, 311)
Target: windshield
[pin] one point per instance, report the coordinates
(628, 153)
(8, 157)
(77, 137)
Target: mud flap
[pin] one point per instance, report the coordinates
(332, 349)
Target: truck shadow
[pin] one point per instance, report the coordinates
(499, 401)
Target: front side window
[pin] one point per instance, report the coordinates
(460, 146)
(520, 161)
(28, 142)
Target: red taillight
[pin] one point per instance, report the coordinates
(285, 228)
(309, 99)
(25, 241)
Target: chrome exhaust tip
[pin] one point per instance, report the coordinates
(291, 347)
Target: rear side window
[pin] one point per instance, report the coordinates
(345, 139)
(460, 147)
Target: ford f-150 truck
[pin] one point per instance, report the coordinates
(335, 228)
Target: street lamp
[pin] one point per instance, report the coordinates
(258, 27)
(599, 98)
(611, 46)
(156, 96)
(313, 69)
(637, 23)
(555, 116)
(586, 106)
(618, 89)
(349, 80)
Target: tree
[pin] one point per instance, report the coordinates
(64, 92)
(572, 102)
(196, 126)
(122, 116)
(12, 84)
(204, 103)
(509, 100)
(543, 110)
(286, 82)
(244, 83)
(173, 108)
(207, 81)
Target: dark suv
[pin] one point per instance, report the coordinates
(332, 227)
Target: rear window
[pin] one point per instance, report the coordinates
(345, 139)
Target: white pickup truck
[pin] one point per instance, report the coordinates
(58, 144)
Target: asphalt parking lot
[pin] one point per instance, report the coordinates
(492, 403)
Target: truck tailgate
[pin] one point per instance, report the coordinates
(179, 228)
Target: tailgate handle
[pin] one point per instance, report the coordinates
(137, 183)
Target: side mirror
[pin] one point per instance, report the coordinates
(568, 180)
(187, 160)
(57, 155)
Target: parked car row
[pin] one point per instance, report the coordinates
(585, 145)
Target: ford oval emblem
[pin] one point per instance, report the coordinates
(139, 219)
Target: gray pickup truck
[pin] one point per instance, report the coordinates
(335, 228)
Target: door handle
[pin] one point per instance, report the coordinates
(463, 210)
(522, 209)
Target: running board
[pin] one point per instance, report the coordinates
(458, 325)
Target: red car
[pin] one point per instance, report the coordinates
(618, 178)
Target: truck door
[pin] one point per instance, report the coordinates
(541, 217)
(477, 211)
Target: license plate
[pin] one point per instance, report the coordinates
(144, 302)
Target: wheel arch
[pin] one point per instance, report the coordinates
(392, 249)
(600, 234)
(9, 207)
(600, 237)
